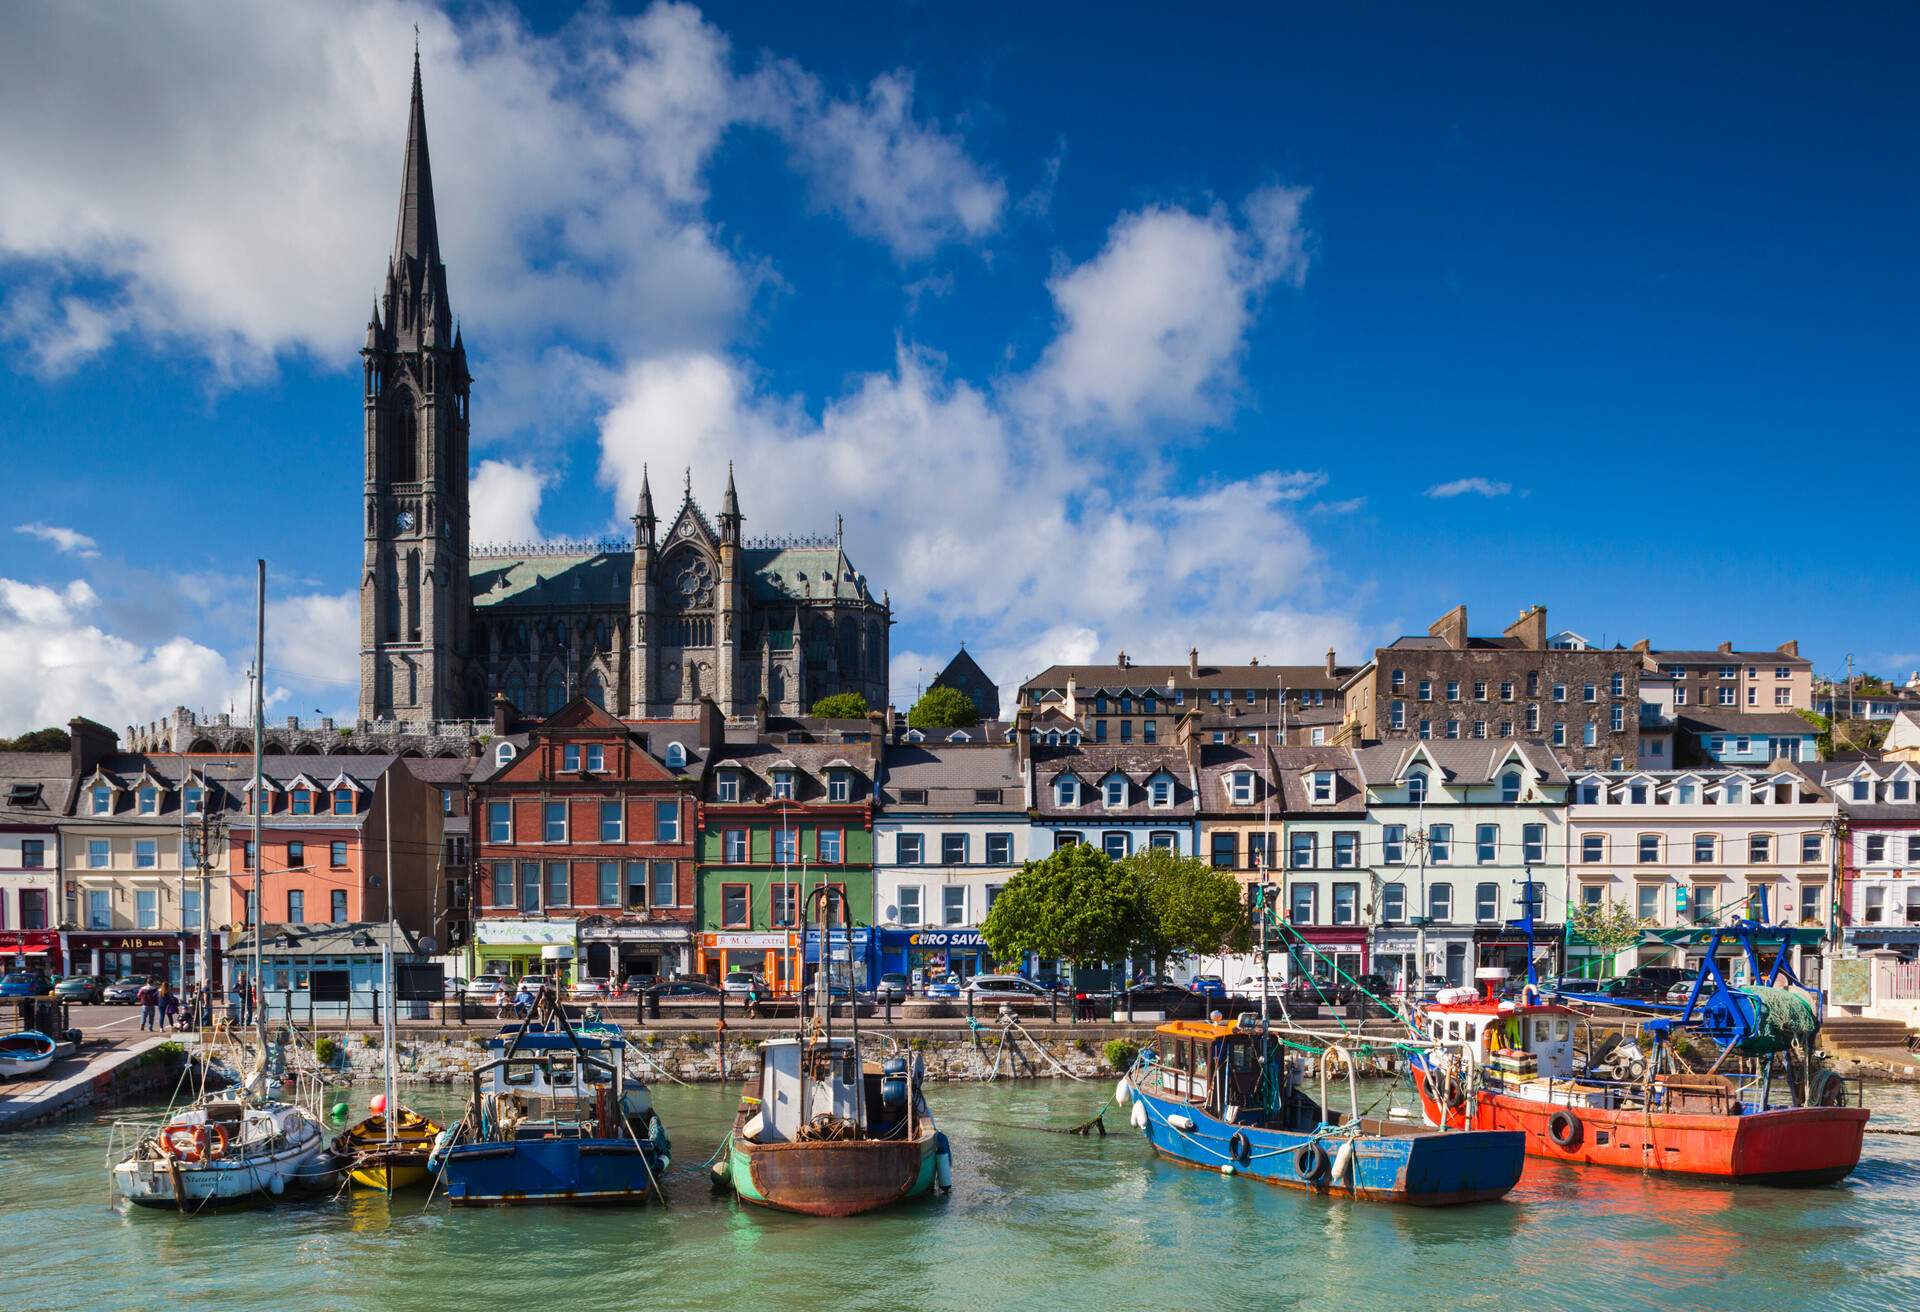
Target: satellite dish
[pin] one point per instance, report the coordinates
(428, 945)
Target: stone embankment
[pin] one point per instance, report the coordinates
(99, 1075)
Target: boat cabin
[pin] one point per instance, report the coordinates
(547, 1083)
(803, 1080)
(1217, 1066)
(1521, 1039)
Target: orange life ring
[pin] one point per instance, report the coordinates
(202, 1142)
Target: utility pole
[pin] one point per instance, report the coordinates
(1849, 685)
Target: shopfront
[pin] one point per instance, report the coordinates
(635, 952)
(850, 956)
(525, 947)
(773, 956)
(928, 956)
(124, 956)
(1506, 946)
(31, 949)
(1347, 949)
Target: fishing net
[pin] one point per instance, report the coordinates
(1780, 1018)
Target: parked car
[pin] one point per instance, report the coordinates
(1010, 987)
(26, 984)
(484, 987)
(1680, 992)
(1362, 985)
(455, 986)
(1662, 978)
(949, 987)
(893, 986)
(591, 990)
(684, 987)
(82, 988)
(1208, 986)
(122, 992)
(739, 983)
(1173, 999)
(532, 984)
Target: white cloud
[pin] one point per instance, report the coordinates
(56, 663)
(1153, 326)
(171, 191)
(1479, 487)
(504, 503)
(314, 641)
(891, 176)
(71, 541)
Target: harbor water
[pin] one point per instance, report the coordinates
(1036, 1220)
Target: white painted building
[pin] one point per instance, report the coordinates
(1880, 900)
(33, 793)
(950, 830)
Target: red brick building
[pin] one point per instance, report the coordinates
(583, 845)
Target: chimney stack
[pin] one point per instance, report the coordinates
(1725, 649)
(1530, 628)
(1451, 628)
(1121, 660)
(1331, 663)
(504, 713)
(1790, 648)
(1193, 662)
(87, 744)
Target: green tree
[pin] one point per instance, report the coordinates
(37, 740)
(941, 707)
(1192, 909)
(1610, 927)
(842, 706)
(1076, 904)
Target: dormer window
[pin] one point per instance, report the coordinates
(726, 787)
(193, 799)
(1510, 786)
(1073, 737)
(1160, 792)
(1733, 792)
(102, 800)
(1240, 782)
(1116, 793)
(783, 785)
(1322, 787)
(1589, 794)
(343, 801)
(676, 756)
(1066, 792)
(503, 754)
(570, 758)
(1417, 787)
(148, 799)
(839, 787)
(1862, 791)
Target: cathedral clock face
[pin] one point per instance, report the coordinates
(403, 521)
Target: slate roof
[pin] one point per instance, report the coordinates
(45, 779)
(598, 579)
(1747, 722)
(1093, 762)
(227, 776)
(1294, 764)
(950, 775)
(1727, 658)
(1089, 679)
(1468, 761)
(325, 939)
(1833, 776)
(809, 762)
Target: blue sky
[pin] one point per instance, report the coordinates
(1104, 328)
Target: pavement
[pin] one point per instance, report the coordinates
(75, 1079)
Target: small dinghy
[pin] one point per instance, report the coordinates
(389, 1163)
(27, 1052)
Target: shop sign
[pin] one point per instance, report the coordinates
(945, 938)
(530, 933)
(128, 942)
(748, 940)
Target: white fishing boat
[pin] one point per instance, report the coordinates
(26, 1052)
(231, 1145)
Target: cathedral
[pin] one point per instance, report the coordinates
(691, 609)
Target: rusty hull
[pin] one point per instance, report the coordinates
(837, 1179)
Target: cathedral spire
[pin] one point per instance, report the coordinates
(643, 516)
(730, 510)
(418, 309)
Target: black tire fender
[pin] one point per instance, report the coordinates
(1310, 1161)
(1238, 1148)
(1565, 1129)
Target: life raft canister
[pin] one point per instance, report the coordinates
(1565, 1129)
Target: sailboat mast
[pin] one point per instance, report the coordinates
(387, 1035)
(257, 912)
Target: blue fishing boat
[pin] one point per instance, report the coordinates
(1227, 1097)
(554, 1118)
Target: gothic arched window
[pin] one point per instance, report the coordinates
(555, 695)
(406, 442)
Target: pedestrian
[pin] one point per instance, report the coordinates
(237, 999)
(169, 1006)
(256, 1000)
(149, 999)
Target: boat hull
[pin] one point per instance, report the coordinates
(389, 1167)
(300, 1168)
(1792, 1146)
(525, 1171)
(1391, 1163)
(833, 1179)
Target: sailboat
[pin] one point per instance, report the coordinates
(388, 1150)
(831, 1133)
(240, 1144)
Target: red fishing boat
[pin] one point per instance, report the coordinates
(1766, 1112)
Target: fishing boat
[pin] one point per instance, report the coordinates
(26, 1052)
(554, 1117)
(830, 1132)
(1758, 1114)
(383, 1159)
(246, 1144)
(1226, 1096)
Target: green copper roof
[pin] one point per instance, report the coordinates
(800, 574)
(598, 579)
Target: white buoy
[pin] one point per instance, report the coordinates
(1179, 1122)
(943, 1171)
(1139, 1116)
(1342, 1161)
(1123, 1092)
(1227, 1169)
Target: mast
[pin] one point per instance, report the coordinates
(257, 912)
(387, 1035)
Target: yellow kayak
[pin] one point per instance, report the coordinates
(389, 1167)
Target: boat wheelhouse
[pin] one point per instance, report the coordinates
(554, 1117)
(1227, 1096)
